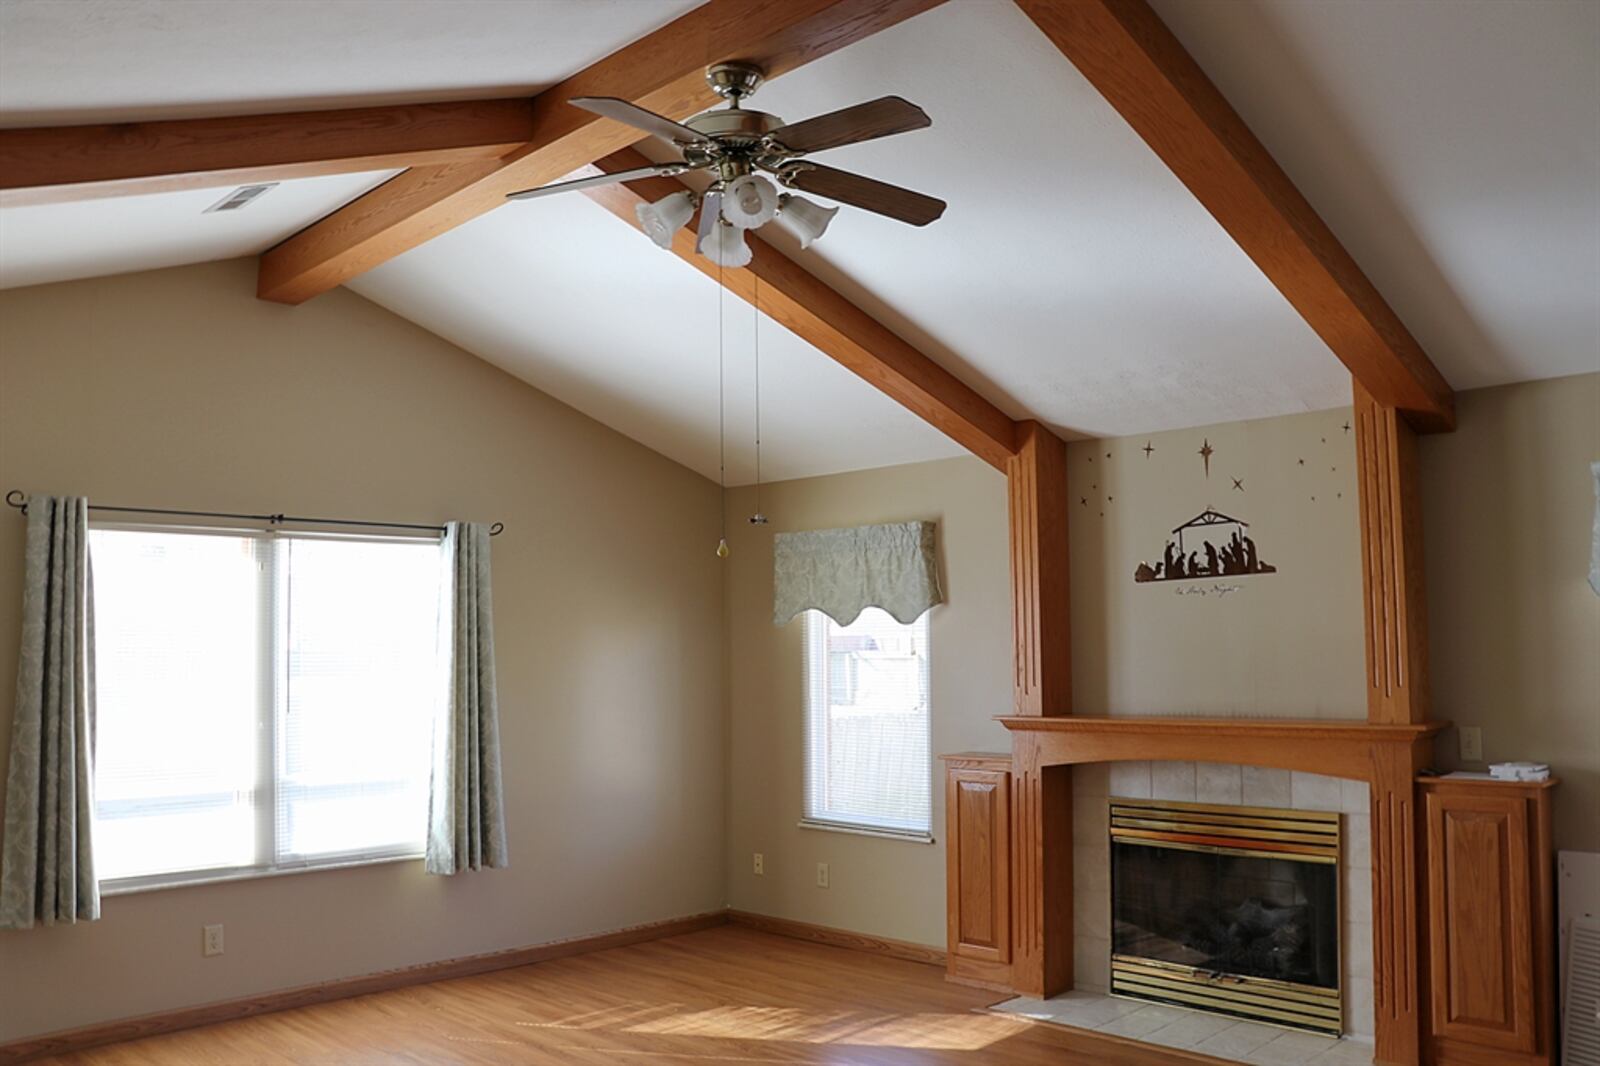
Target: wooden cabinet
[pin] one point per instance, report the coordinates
(1490, 927)
(978, 868)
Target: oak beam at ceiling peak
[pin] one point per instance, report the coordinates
(1130, 56)
(663, 72)
(825, 319)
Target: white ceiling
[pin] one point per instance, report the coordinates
(565, 296)
(89, 238)
(72, 61)
(1452, 145)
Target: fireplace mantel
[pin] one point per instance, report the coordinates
(1338, 748)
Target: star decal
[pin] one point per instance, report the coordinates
(1084, 500)
(1148, 448)
(1302, 462)
(1346, 427)
(1238, 483)
(1206, 451)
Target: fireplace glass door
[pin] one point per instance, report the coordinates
(1227, 909)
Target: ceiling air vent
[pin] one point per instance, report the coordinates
(243, 196)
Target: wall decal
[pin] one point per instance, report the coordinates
(1147, 449)
(1238, 484)
(1206, 451)
(1195, 553)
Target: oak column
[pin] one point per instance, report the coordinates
(1041, 807)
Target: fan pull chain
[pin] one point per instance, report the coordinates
(758, 519)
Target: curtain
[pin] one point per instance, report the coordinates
(47, 858)
(466, 812)
(840, 572)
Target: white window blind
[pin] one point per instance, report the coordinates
(265, 700)
(868, 763)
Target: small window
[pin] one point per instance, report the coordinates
(265, 700)
(867, 725)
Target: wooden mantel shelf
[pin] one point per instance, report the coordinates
(1354, 749)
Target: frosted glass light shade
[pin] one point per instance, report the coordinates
(665, 217)
(725, 246)
(804, 219)
(749, 201)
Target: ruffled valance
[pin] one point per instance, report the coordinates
(840, 572)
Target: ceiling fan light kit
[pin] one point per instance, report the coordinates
(741, 147)
(666, 216)
(804, 218)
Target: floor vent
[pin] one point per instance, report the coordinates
(1580, 1036)
(243, 196)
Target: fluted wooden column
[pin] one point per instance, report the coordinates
(1041, 800)
(1037, 487)
(1396, 617)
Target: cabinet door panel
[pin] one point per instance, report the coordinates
(1480, 933)
(979, 914)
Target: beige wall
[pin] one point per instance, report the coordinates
(1514, 628)
(178, 388)
(886, 887)
(1287, 644)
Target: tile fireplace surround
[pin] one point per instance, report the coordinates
(1219, 783)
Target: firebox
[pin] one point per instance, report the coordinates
(1233, 910)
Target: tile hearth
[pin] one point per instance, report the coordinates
(1188, 1030)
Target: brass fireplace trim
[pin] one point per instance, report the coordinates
(1296, 1006)
(1258, 832)
(1263, 832)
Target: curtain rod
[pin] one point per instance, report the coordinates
(16, 498)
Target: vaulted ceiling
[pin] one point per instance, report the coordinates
(1451, 146)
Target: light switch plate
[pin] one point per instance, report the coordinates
(1471, 743)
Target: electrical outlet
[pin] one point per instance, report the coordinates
(760, 865)
(1471, 743)
(211, 940)
(822, 875)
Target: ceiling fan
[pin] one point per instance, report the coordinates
(735, 144)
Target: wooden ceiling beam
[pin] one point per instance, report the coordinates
(63, 163)
(828, 321)
(663, 72)
(1126, 52)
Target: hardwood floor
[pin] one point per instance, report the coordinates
(729, 995)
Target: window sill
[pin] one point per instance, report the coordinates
(132, 886)
(908, 837)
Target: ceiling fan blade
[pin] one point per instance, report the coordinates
(863, 122)
(640, 119)
(656, 171)
(866, 193)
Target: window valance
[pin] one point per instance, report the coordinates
(840, 572)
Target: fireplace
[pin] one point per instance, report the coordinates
(1228, 909)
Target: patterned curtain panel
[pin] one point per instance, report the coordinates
(47, 859)
(466, 813)
(840, 572)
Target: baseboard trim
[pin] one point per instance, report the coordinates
(73, 1040)
(839, 938)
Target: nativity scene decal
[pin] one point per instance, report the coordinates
(1211, 544)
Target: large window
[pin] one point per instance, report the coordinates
(868, 764)
(264, 700)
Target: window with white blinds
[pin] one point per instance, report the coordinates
(868, 760)
(265, 700)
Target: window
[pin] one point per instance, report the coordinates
(265, 700)
(868, 765)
